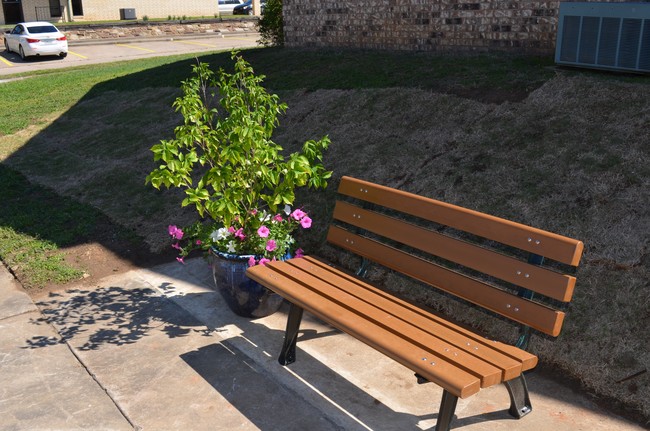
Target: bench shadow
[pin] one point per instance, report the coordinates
(329, 393)
(225, 368)
(252, 392)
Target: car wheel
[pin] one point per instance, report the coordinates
(63, 55)
(7, 46)
(22, 53)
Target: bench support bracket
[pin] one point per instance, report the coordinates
(288, 353)
(524, 334)
(519, 399)
(363, 269)
(447, 410)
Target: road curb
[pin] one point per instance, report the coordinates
(224, 35)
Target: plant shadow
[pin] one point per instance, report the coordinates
(89, 319)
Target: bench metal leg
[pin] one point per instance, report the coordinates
(288, 353)
(519, 399)
(446, 413)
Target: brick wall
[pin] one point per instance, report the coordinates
(427, 25)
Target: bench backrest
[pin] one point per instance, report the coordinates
(459, 251)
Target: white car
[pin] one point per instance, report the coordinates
(36, 38)
(226, 6)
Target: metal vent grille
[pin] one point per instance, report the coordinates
(613, 36)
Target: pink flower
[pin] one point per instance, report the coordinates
(300, 253)
(251, 261)
(181, 260)
(277, 218)
(263, 231)
(176, 246)
(271, 245)
(305, 222)
(239, 233)
(298, 214)
(264, 261)
(231, 229)
(175, 232)
(254, 211)
(198, 242)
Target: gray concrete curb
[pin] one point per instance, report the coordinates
(219, 34)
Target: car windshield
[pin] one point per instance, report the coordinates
(42, 29)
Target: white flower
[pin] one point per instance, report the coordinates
(219, 234)
(264, 216)
(287, 209)
(231, 247)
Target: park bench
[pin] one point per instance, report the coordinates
(508, 269)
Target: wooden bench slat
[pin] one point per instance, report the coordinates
(529, 313)
(543, 243)
(432, 322)
(392, 321)
(445, 339)
(532, 277)
(418, 359)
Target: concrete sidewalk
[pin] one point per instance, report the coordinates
(158, 350)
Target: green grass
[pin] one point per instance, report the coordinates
(38, 258)
(59, 89)
(34, 223)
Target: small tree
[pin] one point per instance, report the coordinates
(270, 25)
(224, 158)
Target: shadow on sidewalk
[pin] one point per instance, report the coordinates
(245, 387)
(111, 315)
(240, 378)
(229, 372)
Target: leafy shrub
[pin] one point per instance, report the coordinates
(236, 177)
(270, 25)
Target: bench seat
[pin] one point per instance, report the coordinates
(441, 352)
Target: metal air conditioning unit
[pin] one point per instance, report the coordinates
(128, 14)
(613, 36)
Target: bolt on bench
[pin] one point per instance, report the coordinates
(490, 262)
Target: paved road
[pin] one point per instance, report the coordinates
(82, 53)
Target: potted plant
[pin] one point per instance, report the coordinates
(237, 178)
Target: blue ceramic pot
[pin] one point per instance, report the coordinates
(245, 297)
